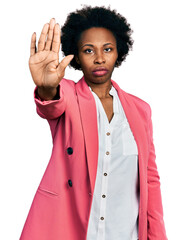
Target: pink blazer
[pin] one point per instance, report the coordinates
(61, 206)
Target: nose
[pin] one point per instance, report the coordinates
(99, 58)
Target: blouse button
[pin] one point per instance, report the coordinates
(107, 153)
(103, 196)
(102, 218)
(108, 134)
(105, 174)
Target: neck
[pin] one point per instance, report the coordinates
(102, 90)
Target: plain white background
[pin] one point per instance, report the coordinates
(155, 71)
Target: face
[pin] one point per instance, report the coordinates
(97, 54)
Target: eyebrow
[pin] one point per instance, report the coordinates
(90, 45)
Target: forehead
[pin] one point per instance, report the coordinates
(97, 35)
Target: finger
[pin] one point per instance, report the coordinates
(50, 34)
(33, 44)
(41, 42)
(63, 64)
(56, 39)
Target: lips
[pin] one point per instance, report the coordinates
(100, 71)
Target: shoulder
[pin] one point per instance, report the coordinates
(142, 106)
(140, 102)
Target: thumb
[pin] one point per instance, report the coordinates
(63, 64)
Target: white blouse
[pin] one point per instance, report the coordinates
(114, 210)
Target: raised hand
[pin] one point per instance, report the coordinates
(44, 64)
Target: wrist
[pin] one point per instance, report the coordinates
(47, 93)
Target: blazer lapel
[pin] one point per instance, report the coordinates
(134, 118)
(88, 113)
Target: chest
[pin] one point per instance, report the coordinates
(108, 107)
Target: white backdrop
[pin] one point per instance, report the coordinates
(155, 71)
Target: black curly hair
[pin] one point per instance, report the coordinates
(89, 17)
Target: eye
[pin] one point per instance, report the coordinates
(88, 50)
(108, 49)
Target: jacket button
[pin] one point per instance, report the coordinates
(69, 150)
(70, 183)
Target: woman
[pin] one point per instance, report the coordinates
(102, 180)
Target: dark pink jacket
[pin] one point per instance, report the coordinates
(61, 207)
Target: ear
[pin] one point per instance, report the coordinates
(77, 60)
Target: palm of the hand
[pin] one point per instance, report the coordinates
(43, 66)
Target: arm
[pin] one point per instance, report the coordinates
(50, 109)
(156, 227)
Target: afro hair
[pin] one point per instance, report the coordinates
(89, 17)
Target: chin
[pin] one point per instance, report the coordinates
(101, 79)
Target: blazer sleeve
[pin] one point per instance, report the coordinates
(51, 109)
(156, 228)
